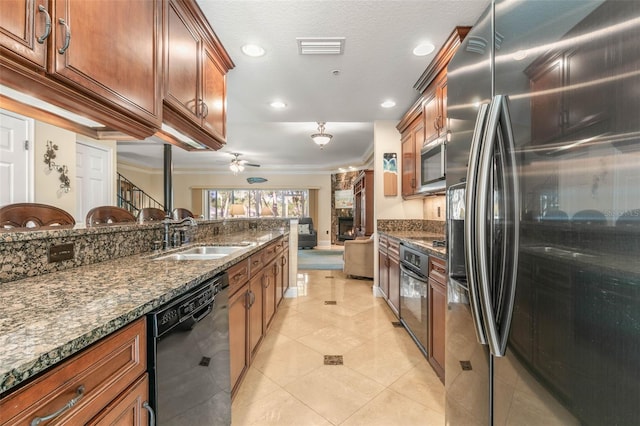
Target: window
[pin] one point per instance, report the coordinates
(258, 203)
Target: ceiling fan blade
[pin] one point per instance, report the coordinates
(251, 164)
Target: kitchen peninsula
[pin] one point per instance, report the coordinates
(48, 318)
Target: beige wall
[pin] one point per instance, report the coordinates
(47, 182)
(435, 208)
(386, 138)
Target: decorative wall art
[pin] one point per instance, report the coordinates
(390, 170)
(344, 199)
(65, 185)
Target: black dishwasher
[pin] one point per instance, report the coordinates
(189, 357)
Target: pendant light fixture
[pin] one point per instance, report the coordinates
(321, 138)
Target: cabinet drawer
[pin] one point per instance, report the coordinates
(255, 264)
(270, 252)
(128, 408)
(383, 243)
(100, 373)
(238, 276)
(394, 248)
(437, 269)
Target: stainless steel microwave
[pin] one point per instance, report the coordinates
(432, 166)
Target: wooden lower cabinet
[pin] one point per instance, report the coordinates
(130, 408)
(389, 271)
(394, 276)
(238, 328)
(256, 288)
(269, 294)
(99, 379)
(256, 316)
(437, 313)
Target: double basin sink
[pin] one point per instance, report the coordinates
(211, 252)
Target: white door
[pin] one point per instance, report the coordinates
(93, 178)
(16, 159)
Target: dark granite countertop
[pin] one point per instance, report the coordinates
(47, 318)
(421, 240)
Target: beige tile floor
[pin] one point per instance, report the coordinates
(384, 381)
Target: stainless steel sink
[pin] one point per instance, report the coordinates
(207, 250)
(191, 256)
(211, 252)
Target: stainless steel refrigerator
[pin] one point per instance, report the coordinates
(543, 178)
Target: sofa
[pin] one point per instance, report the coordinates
(358, 257)
(307, 235)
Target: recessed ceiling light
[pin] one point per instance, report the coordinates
(252, 50)
(388, 104)
(423, 49)
(278, 104)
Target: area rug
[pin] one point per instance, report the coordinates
(320, 259)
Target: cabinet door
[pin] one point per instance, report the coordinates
(255, 313)
(213, 106)
(182, 49)
(269, 293)
(23, 30)
(437, 312)
(585, 105)
(441, 94)
(431, 113)
(408, 164)
(128, 408)
(383, 273)
(547, 115)
(283, 270)
(238, 305)
(394, 284)
(112, 51)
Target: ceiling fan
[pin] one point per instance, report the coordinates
(238, 165)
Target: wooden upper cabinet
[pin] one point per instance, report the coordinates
(426, 120)
(24, 31)
(214, 95)
(195, 66)
(111, 50)
(183, 45)
(435, 108)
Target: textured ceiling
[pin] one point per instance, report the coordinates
(377, 64)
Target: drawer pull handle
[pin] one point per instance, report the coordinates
(73, 401)
(47, 24)
(67, 36)
(152, 414)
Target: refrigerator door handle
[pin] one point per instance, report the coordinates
(497, 308)
(469, 225)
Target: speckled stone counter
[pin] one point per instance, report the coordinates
(420, 240)
(46, 318)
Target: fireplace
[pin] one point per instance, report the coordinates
(345, 229)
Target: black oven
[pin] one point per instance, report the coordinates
(414, 291)
(432, 166)
(189, 357)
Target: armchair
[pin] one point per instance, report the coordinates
(307, 235)
(358, 257)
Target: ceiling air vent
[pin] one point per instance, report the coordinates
(320, 45)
